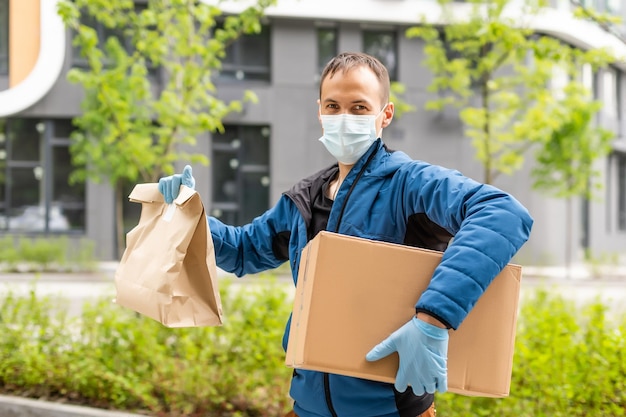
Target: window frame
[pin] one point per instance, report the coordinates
(237, 67)
(78, 61)
(45, 162)
(234, 211)
(621, 191)
(393, 72)
(322, 60)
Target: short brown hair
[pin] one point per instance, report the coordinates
(346, 61)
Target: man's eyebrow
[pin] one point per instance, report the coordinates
(357, 101)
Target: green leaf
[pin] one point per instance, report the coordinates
(500, 74)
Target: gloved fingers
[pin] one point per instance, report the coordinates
(384, 348)
(442, 385)
(175, 187)
(430, 387)
(187, 177)
(401, 382)
(165, 188)
(418, 389)
(169, 187)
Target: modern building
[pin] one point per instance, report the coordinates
(272, 144)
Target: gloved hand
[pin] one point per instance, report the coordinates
(170, 186)
(423, 351)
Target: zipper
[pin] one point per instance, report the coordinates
(329, 401)
(356, 180)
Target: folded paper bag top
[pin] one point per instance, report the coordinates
(168, 270)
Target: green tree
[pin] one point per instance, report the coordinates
(130, 130)
(502, 75)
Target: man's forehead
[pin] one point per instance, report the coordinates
(351, 80)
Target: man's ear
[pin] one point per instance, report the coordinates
(319, 111)
(388, 114)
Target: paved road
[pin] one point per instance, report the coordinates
(80, 288)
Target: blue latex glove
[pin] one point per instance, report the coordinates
(170, 186)
(423, 351)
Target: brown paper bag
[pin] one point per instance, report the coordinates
(168, 270)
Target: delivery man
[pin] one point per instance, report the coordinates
(380, 194)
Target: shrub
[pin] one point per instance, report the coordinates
(110, 357)
(43, 254)
(569, 361)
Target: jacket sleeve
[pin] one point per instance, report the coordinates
(253, 247)
(489, 226)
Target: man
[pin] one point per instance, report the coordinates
(376, 193)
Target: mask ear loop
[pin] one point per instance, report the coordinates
(379, 134)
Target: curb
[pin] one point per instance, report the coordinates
(24, 407)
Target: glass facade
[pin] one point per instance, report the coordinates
(104, 33)
(241, 173)
(383, 45)
(248, 58)
(621, 192)
(326, 46)
(35, 194)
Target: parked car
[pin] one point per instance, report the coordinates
(33, 218)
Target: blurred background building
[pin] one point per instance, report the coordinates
(272, 144)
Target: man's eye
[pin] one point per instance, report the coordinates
(360, 107)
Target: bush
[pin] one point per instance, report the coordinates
(110, 357)
(45, 254)
(568, 361)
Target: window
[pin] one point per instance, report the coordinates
(326, 47)
(609, 93)
(619, 84)
(613, 7)
(241, 173)
(104, 33)
(621, 192)
(248, 58)
(35, 195)
(588, 79)
(382, 44)
(4, 37)
(559, 81)
(589, 4)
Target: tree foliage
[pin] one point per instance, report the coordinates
(505, 77)
(132, 128)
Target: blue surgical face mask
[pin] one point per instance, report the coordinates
(348, 136)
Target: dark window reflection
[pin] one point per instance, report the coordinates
(240, 165)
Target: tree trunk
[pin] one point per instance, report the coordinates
(568, 238)
(487, 130)
(119, 219)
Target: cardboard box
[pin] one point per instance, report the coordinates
(352, 293)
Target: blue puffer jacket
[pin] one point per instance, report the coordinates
(387, 197)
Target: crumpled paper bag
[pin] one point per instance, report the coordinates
(168, 271)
